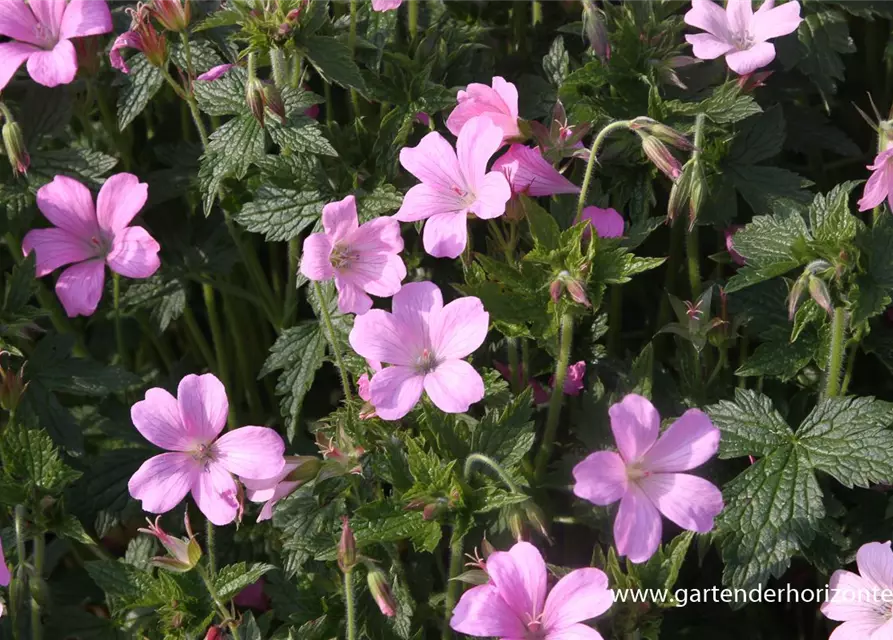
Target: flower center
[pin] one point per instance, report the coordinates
(203, 454)
(535, 630)
(45, 35)
(343, 257)
(743, 41)
(101, 245)
(426, 362)
(636, 471)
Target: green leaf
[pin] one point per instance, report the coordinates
(31, 458)
(225, 95)
(333, 61)
(767, 188)
(875, 286)
(759, 138)
(774, 507)
(70, 527)
(140, 85)
(281, 214)
(299, 352)
(230, 580)
(301, 135)
(545, 231)
(81, 164)
(830, 219)
(556, 62)
(506, 435)
(231, 150)
(52, 365)
(823, 37)
(308, 527)
(726, 104)
(386, 521)
(119, 579)
(383, 199)
(783, 359)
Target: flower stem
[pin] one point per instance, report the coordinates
(593, 155)
(457, 555)
(242, 360)
(211, 547)
(15, 589)
(290, 306)
(280, 73)
(555, 402)
(691, 237)
(119, 336)
(220, 351)
(851, 362)
(199, 338)
(333, 339)
(487, 461)
(349, 605)
(413, 18)
(39, 543)
(516, 372)
(835, 359)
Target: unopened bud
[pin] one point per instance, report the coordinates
(516, 523)
(660, 156)
(347, 548)
(796, 293)
(381, 591)
(255, 97)
(819, 292)
(577, 292)
(183, 554)
(487, 548)
(662, 132)
(214, 633)
(14, 143)
(596, 31)
(12, 386)
(173, 15)
(555, 290)
(273, 101)
(535, 518)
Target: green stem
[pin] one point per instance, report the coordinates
(519, 25)
(333, 339)
(691, 237)
(677, 233)
(537, 15)
(39, 543)
(119, 336)
(199, 338)
(835, 359)
(742, 358)
(280, 72)
(15, 606)
(413, 18)
(457, 557)
(593, 155)
(220, 350)
(242, 360)
(290, 306)
(349, 605)
(615, 318)
(225, 617)
(555, 402)
(489, 462)
(211, 547)
(516, 372)
(850, 363)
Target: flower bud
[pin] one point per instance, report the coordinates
(173, 15)
(662, 132)
(796, 293)
(516, 523)
(577, 292)
(214, 633)
(347, 548)
(555, 290)
(660, 156)
(596, 31)
(88, 50)
(145, 37)
(256, 98)
(12, 386)
(184, 554)
(818, 290)
(272, 98)
(487, 548)
(14, 143)
(381, 591)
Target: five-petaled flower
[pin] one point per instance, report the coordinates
(528, 172)
(498, 103)
(424, 341)
(738, 33)
(41, 33)
(455, 183)
(197, 460)
(516, 602)
(861, 600)
(362, 259)
(297, 471)
(880, 184)
(90, 237)
(645, 476)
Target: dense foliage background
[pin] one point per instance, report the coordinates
(788, 349)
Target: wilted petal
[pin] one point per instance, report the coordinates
(214, 72)
(528, 172)
(4, 570)
(127, 40)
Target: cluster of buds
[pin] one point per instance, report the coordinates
(291, 19)
(173, 15)
(434, 507)
(342, 456)
(596, 30)
(524, 517)
(376, 579)
(695, 322)
(12, 386)
(575, 287)
(261, 95)
(688, 191)
(655, 137)
(811, 280)
(561, 140)
(184, 554)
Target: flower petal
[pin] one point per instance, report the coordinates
(689, 442)
(482, 612)
(601, 478)
(395, 390)
(203, 406)
(381, 336)
(498, 103)
(52, 68)
(709, 16)
(80, 287)
(250, 452)
(876, 189)
(493, 194)
(120, 199)
(508, 93)
(55, 248)
(416, 304)
(707, 46)
(637, 529)
(434, 162)
(4, 570)
(459, 328)
(635, 423)
(850, 598)
(859, 629)
(315, 263)
(478, 141)
(739, 14)
(48, 14)
(282, 490)
(134, 253)
(520, 576)
(580, 595)
(340, 218)
(576, 632)
(528, 172)
(424, 200)
(12, 55)
(875, 562)
(390, 279)
(381, 235)
(757, 57)
(215, 72)
(157, 418)
(689, 501)
(214, 491)
(445, 235)
(18, 22)
(69, 205)
(163, 481)
(127, 40)
(85, 18)
(454, 386)
(776, 22)
(606, 222)
(351, 298)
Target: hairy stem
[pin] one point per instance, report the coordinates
(39, 543)
(15, 605)
(457, 555)
(516, 378)
(333, 339)
(835, 358)
(211, 547)
(413, 18)
(691, 237)
(350, 606)
(290, 307)
(119, 336)
(489, 462)
(557, 398)
(593, 155)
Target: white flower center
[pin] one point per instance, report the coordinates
(743, 40)
(426, 362)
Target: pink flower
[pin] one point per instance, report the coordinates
(498, 103)
(41, 33)
(645, 476)
(253, 597)
(183, 553)
(858, 600)
(297, 471)
(531, 174)
(729, 234)
(573, 381)
(364, 391)
(385, 5)
(606, 222)
(91, 237)
(454, 184)
(215, 72)
(880, 185)
(515, 604)
(425, 342)
(738, 33)
(361, 258)
(4, 570)
(142, 36)
(197, 460)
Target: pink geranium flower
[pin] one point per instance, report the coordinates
(859, 599)
(360, 258)
(365, 392)
(880, 185)
(41, 33)
(253, 596)
(738, 33)
(516, 602)
(4, 570)
(425, 342)
(498, 103)
(573, 380)
(141, 36)
(215, 72)
(645, 476)
(197, 460)
(454, 184)
(386, 5)
(273, 489)
(91, 237)
(606, 222)
(531, 174)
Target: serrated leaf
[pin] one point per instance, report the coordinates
(556, 62)
(237, 143)
(767, 188)
(545, 231)
(81, 164)
(725, 105)
(140, 85)
(506, 435)
(231, 579)
(783, 359)
(823, 37)
(333, 61)
(308, 527)
(830, 219)
(119, 579)
(301, 134)
(281, 214)
(52, 365)
(873, 288)
(385, 521)
(383, 199)
(223, 96)
(31, 458)
(759, 138)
